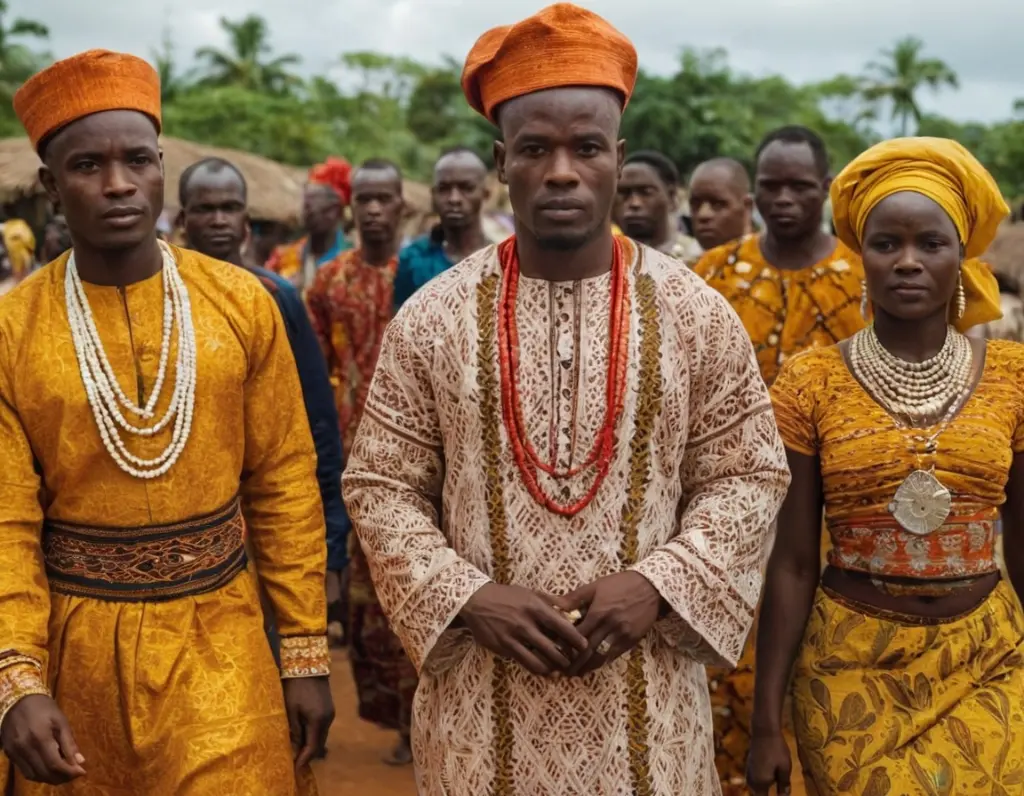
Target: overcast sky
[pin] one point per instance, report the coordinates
(802, 39)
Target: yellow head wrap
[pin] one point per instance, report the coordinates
(949, 175)
(20, 244)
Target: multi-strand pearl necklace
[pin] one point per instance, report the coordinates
(916, 390)
(107, 399)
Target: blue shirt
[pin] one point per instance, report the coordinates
(418, 263)
(323, 414)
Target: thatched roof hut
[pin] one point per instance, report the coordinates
(275, 190)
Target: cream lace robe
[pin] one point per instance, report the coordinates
(697, 478)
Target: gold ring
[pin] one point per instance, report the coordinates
(604, 647)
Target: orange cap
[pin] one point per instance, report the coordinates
(84, 84)
(563, 45)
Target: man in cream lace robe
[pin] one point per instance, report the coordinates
(470, 564)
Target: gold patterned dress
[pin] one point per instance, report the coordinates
(172, 695)
(696, 479)
(887, 704)
(784, 312)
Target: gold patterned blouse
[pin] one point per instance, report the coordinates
(784, 311)
(822, 410)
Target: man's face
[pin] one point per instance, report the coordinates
(719, 206)
(459, 190)
(377, 204)
(561, 161)
(214, 215)
(321, 210)
(644, 202)
(106, 173)
(790, 190)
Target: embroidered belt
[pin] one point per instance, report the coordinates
(151, 564)
(963, 547)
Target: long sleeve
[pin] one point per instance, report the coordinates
(24, 593)
(392, 489)
(734, 476)
(323, 421)
(282, 504)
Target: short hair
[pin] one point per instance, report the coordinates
(214, 164)
(460, 149)
(736, 170)
(381, 164)
(665, 168)
(795, 134)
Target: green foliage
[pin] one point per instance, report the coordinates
(375, 105)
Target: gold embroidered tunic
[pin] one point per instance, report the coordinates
(179, 696)
(697, 477)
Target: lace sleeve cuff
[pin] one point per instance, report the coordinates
(20, 677)
(305, 656)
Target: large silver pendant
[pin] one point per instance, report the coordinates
(921, 504)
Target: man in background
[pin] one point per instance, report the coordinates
(323, 211)
(458, 191)
(647, 205)
(351, 303)
(213, 197)
(720, 202)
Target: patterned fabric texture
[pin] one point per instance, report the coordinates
(886, 705)
(697, 476)
(786, 312)
(181, 696)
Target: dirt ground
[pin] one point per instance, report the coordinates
(355, 749)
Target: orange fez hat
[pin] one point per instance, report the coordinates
(84, 84)
(563, 45)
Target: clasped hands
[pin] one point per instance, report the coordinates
(536, 631)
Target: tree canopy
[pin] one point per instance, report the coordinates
(368, 104)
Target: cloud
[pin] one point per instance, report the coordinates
(803, 39)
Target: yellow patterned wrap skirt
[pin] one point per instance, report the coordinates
(175, 698)
(889, 705)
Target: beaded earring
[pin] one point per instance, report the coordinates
(961, 298)
(864, 299)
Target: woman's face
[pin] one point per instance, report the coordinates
(912, 255)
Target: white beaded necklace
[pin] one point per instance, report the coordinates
(107, 399)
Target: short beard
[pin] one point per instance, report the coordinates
(568, 242)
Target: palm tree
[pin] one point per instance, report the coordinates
(17, 61)
(244, 65)
(900, 76)
(172, 82)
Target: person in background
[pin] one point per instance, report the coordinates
(458, 192)
(151, 420)
(20, 243)
(794, 287)
(55, 241)
(905, 657)
(7, 277)
(647, 206)
(567, 469)
(351, 302)
(720, 202)
(323, 211)
(213, 197)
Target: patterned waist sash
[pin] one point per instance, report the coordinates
(961, 549)
(151, 564)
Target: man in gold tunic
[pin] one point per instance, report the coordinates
(132, 652)
(567, 466)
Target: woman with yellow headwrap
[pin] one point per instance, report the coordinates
(907, 653)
